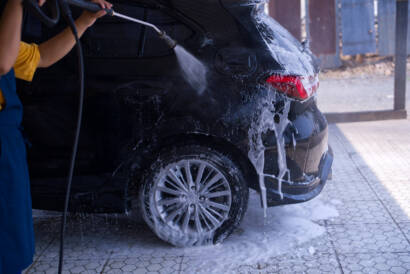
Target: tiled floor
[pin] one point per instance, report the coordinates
(371, 187)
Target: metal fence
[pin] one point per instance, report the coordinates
(335, 27)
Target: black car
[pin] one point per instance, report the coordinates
(151, 141)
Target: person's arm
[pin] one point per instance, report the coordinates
(57, 47)
(10, 34)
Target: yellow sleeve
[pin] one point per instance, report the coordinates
(27, 61)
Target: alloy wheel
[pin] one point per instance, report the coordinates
(192, 196)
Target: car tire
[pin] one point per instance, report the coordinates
(191, 212)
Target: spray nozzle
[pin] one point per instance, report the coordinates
(170, 42)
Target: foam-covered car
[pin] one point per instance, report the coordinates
(151, 142)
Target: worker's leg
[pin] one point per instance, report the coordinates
(16, 229)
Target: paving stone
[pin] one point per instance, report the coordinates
(317, 246)
(405, 227)
(92, 265)
(393, 190)
(369, 212)
(344, 171)
(116, 265)
(129, 267)
(77, 269)
(399, 209)
(88, 247)
(143, 265)
(45, 233)
(375, 263)
(325, 263)
(70, 266)
(154, 267)
(380, 149)
(398, 270)
(359, 238)
(357, 190)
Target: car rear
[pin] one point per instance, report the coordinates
(288, 68)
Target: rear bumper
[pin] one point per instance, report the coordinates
(302, 190)
(308, 157)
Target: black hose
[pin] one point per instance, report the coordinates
(68, 17)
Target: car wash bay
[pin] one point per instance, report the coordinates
(360, 222)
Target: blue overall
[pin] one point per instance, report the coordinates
(16, 222)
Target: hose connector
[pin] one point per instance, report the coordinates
(170, 42)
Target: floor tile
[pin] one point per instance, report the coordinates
(364, 238)
(366, 212)
(376, 263)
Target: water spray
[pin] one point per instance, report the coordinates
(193, 70)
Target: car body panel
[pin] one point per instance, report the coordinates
(138, 102)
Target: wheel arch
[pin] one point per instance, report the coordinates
(142, 159)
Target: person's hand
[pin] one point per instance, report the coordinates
(41, 2)
(89, 18)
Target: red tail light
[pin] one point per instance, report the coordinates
(297, 87)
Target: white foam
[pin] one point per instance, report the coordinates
(283, 230)
(262, 122)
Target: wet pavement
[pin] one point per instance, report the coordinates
(370, 190)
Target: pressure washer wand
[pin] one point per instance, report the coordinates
(171, 42)
(95, 8)
(113, 13)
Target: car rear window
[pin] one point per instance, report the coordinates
(285, 49)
